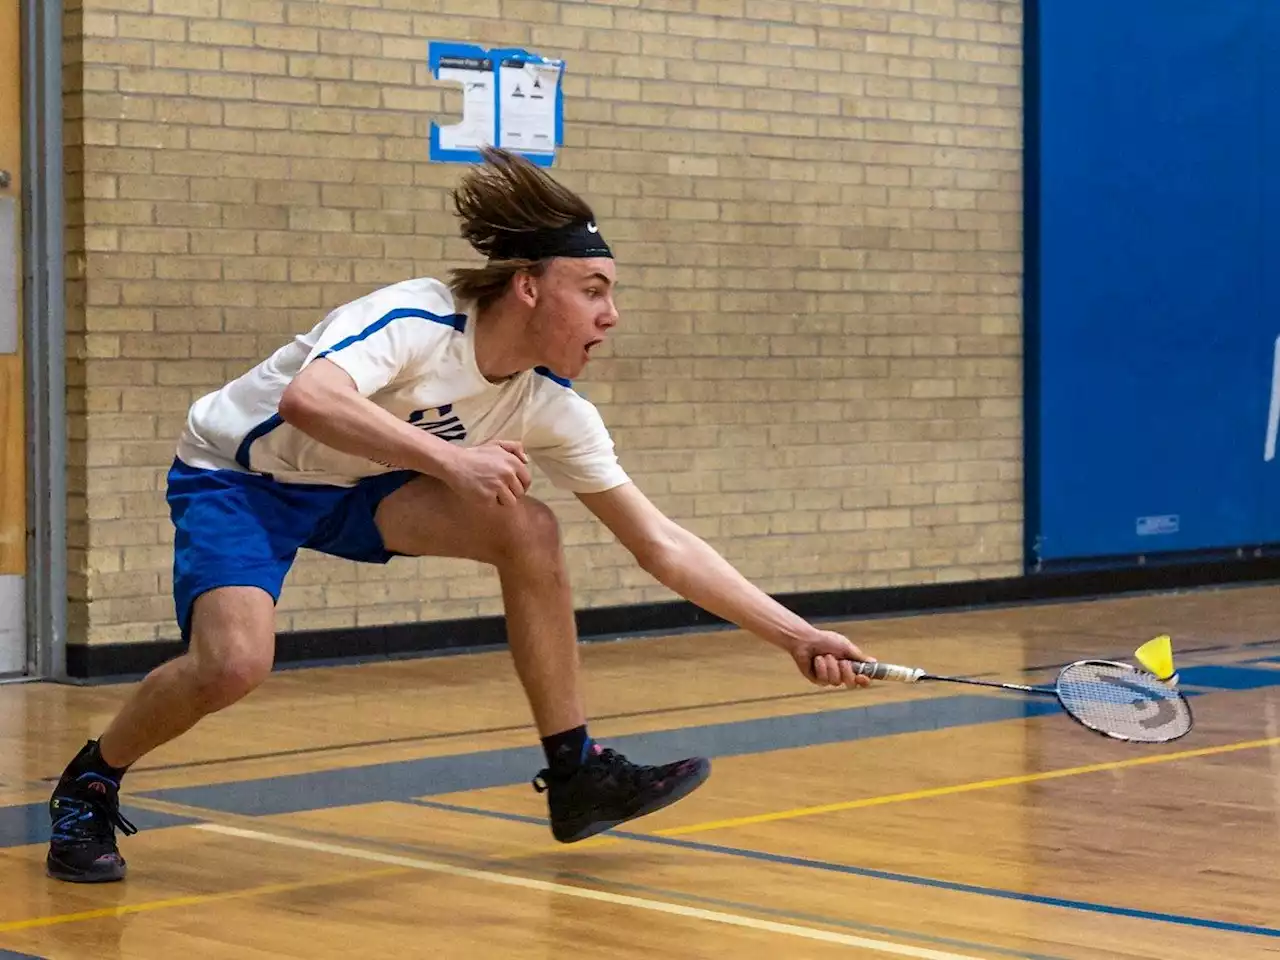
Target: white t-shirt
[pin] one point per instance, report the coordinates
(411, 351)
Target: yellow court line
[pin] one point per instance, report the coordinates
(148, 905)
(963, 788)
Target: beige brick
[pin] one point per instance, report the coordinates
(254, 11)
(319, 67)
(381, 71)
(256, 62)
(220, 34)
(346, 44)
(138, 27)
(220, 87)
(301, 13)
(257, 115)
(302, 39)
(187, 8)
(272, 90)
(817, 210)
(170, 56)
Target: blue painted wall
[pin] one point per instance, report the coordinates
(1152, 304)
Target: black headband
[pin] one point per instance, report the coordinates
(581, 239)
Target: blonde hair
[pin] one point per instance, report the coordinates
(503, 196)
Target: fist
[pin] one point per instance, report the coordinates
(493, 471)
(827, 659)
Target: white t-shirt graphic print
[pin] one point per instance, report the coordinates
(410, 350)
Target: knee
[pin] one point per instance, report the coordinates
(235, 672)
(529, 531)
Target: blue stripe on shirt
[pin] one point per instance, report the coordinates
(261, 430)
(457, 320)
(551, 376)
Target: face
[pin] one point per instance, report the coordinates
(573, 311)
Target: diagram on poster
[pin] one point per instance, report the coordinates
(510, 97)
(527, 90)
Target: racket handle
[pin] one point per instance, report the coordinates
(889, 671)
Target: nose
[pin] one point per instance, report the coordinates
(610, 318)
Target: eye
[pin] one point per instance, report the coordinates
(593, 292)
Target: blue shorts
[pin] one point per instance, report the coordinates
(237, 529)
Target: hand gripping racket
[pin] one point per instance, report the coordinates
(1110, 698)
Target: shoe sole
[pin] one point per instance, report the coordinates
(75, 876)
(679, 793)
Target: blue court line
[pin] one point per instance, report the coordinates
(808, 917)
(1228, 677)
(29, 823)
(11, 955)
(456, 773)
(871, 873)
(713, 901)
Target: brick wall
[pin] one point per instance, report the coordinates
(816, 210)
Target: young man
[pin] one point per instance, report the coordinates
(405, 423)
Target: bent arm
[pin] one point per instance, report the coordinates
(323, 402)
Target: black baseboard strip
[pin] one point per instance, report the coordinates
(123, 660)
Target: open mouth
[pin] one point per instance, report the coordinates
(590, 345)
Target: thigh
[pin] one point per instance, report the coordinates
(234, 625)
(425, 518)
(230, 530)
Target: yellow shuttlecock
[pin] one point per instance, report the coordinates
(1156, 655)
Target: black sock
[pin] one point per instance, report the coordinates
(89, 760)
(566, 751)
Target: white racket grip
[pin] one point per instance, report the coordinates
(889, 671)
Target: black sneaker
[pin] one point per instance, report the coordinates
(86, 811)
(608, 789)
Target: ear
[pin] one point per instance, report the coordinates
(525, 286)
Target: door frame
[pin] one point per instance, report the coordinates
(44, 335)
(15, 657)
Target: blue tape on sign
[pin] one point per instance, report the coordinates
(510, 97)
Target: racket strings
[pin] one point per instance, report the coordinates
(1121, 702)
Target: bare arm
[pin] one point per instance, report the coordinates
(323, 402)
(686, 564)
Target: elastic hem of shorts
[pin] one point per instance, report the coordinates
(185, 626)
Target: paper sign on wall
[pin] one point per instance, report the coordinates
(528, 92)
(475, 74)
(510, 97)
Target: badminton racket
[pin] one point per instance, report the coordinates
(1112, 699)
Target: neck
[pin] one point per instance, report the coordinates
(502, 350)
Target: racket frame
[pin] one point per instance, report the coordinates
(913, 675)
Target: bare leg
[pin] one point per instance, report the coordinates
(426, 518)
(232, 646)
(543, 635)
(588, 793)
(231, 651)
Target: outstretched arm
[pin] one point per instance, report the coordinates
(687, 565)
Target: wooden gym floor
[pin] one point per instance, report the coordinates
(384, 809)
